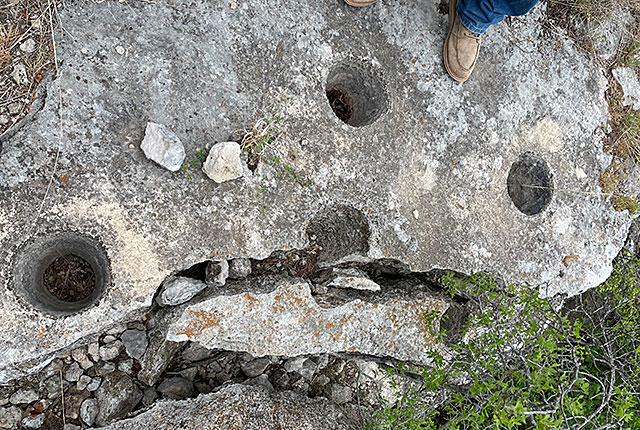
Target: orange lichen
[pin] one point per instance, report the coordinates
(200, 321)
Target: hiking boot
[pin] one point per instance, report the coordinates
(461, 47)
(359, 3)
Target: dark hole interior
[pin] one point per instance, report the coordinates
(340, 104)
(530, 184)
(69, 278)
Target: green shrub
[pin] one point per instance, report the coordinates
(523, 364)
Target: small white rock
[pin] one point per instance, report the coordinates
(23, 396)
(628, 79)
(94, 384)
(30, 422)
(19, 74)
(28, 46)
(110, 351)
(179, 291)
(120, 50)
(80, 356)
(161, 145)
(89, 411)
(73, 373)
(223, 162)
(94, 351)
(83, 382)
(109, 338)
(126, 366)
(14, 108)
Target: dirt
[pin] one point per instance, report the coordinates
(340, 104)
(25, 40)
(69, 278)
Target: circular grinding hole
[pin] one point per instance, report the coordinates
(530, 184)
(62, 274)
(340, 231)
(356, 94)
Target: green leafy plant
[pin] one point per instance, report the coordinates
(524, 364)
(189, 166)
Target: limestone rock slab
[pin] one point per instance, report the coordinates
(428, 173)
(288, 321)
(242, 407)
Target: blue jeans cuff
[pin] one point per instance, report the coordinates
(469, 25)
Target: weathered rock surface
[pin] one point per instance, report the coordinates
(157, 357)
(427, 174)
(223, 162)
(116, 397)
(242, 407)
(288, 321)
(630, 83)
(176, 388)
(161, 145)
(179, 290)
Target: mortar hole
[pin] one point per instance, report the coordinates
(69, 278)
(530, 184)
(356, 94)
(340, 104)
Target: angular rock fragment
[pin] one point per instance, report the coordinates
(89, 411)
(23, 396)
(176, 388)
(19, 74)
(217, 273)
(223, 162)
(157, 357)
(30, 422)
(135, 343)
(628, 79)
(111, 350)
(255, 367)
(243, 407)
(239, 268)
(288, 321)
(161, 145)
(179, 291)
(352, 278)
(73, 373)
(302, 366)
(117, 396)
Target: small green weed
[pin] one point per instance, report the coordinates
(261, 140)
(188, 167)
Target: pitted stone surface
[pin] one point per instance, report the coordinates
(429, 174)
(242, 407)
(288, 321)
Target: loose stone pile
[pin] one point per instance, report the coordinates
(132, 366)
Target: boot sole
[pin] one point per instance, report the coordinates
(452, 16)
(356, 3)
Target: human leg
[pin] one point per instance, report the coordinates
(478, 15)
